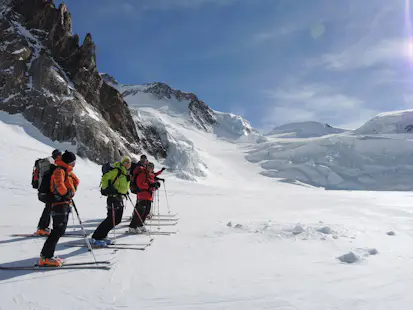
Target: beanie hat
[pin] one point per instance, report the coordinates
(68, 157)
(150, 165)
(56, 153)
(143, 157)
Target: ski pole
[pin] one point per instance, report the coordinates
(166, 197)
(114, 225)
(159, 218)
(84, 232)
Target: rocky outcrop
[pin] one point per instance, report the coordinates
(54, 82)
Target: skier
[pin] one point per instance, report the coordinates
(136, 167)
(63, 186)
(145, 180)
(40, 167)
(115, 185)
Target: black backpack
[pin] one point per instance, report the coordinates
(44, 194)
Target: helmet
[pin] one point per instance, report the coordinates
(150, 165)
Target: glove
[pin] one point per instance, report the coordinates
(69, 194)
(155, 185)
(110, 190)
(163, 169)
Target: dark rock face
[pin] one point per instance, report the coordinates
(54, 82)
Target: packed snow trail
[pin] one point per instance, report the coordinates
(248, 244)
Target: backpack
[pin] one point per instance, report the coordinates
(35, 174)
(134, 188)
(44, 194)
(106, 167)
(41, 166)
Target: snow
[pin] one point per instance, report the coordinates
(341, 161)
(304, 130)
(395, 122)
(275, 253)
(19, 51)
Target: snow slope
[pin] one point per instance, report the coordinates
(246, 243)
(376, 156)
(241, 244)
(345, 161)
(304, 130)
(394, 122)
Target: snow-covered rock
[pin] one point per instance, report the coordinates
(304, 130)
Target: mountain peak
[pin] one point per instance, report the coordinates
(307, 129)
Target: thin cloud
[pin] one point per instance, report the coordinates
(360, 57)
(312, 102)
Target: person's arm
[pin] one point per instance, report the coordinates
(108, 177)
(58, 182)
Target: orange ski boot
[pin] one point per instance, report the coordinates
(43, 232)
(50, 262)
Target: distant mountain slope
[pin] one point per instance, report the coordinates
(367, 159)
(389, 123)
(304, 130)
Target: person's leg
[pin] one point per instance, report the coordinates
(44, 220)
(148, 205)
(103, 229)
(60, 218)
(118, 205)
(135, 218)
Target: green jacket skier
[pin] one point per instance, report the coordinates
(115, 185)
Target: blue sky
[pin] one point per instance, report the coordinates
(271, 61)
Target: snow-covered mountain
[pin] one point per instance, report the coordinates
(183, 123)
(395, 122)
(377, 156)
(304, 130)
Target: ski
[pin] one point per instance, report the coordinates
(111, 246)
(160, 224)
(85, 265)
(161, 220)
(165, 215)
(71, 235)
(160, 233)
(155, 220)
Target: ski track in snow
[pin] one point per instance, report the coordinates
(282, 255)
